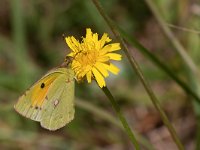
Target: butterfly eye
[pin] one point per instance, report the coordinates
(42, 85)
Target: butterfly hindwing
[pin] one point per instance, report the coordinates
(58, 109)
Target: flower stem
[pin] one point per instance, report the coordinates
(138, 71)
(121, 117)
(101, 113)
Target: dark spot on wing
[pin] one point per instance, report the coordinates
(67, 80)
(42, 85)
(36, 107)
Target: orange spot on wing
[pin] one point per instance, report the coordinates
(39, 93)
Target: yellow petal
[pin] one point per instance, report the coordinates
(82, 73)
(70, 44)
(103, 59)
(88, 68)
(71, 54)
(95, 37)
(75, 42)
(97, 46)
(115, 47)
(99, 78)
(101, 69)
(88, 34)
(75, 63)
(89, 76)
(111, 47)
(103, 51)
(87, 46)
(112, 68)
(114, 56)
(104, 39)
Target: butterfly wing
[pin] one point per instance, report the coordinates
(31, 103)
(58, 109)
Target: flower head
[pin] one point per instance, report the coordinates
(91, 57)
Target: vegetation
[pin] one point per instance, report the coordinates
(157, 88)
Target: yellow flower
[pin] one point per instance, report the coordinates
(91, 57)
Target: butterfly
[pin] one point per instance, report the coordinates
(50, 100)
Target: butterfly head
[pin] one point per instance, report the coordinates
(67, 62)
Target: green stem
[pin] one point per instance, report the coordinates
(180, 49)
(121, 117)
(137, 69)
(161, 65)
(193, 69)
(97, 111)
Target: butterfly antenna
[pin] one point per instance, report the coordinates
(63, 35)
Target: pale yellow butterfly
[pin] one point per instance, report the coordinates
(51, 99)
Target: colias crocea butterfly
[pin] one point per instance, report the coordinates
(50, 100)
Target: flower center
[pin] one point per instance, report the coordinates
(87, 58)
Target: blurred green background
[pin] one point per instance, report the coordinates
(31, 43)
